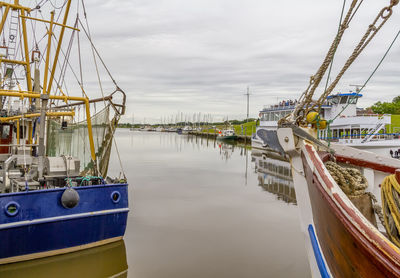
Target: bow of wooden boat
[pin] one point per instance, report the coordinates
(341, 241)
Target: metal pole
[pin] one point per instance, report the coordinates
(248, 98)
(45, 97)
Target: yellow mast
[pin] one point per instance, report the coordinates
(53, 70)
(47, 85)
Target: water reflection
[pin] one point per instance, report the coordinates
(193, 216)
(104, 261)
(274, 175)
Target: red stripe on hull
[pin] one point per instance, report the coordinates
(347, 251)
(365, 164)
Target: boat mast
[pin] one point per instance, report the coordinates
(53, 70)
(34, 93)
(45, 98)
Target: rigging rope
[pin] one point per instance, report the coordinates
(363, 86)
(306, 97)
(88, 35)
(305, 101)
(60, 7)
(331, 64)
(372, 30)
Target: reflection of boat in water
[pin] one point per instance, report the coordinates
(274, 175)
(226, 150)
(104, 261)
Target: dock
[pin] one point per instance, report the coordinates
(240, 138)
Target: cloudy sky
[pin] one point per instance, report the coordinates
(193, 56)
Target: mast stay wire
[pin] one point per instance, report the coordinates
(79, 44)
(372, 73)
(95, 50)
(61, 78)
(340, 22)
(372, 30)
(306, 96)
(57, 8)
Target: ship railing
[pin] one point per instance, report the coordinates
(369, 115)
(278, 107)
(378, 136)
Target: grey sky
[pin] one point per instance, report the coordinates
(200, 55)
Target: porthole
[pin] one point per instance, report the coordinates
(115, 197)
(12, 208)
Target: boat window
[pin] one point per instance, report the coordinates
(5, 132)
(265, 117)
(334, 100)
(353, 100)
(343, 99)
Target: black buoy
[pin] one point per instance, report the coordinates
(70, 198)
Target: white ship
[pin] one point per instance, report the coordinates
(371, 132)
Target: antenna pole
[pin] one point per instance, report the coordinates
(248, 98)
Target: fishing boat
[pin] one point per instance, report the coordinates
(227, 134)
(55, 144)
(348, 198)
(348, 125)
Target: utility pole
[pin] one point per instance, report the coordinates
(248, 97)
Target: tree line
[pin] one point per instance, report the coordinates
(387, 107)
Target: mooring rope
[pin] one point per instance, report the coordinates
(350, 180)
(390, 191)
(354, 184)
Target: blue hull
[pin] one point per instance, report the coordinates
(42, 226)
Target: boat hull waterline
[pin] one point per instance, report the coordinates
(43, 227)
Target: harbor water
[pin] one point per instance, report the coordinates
(199, 208)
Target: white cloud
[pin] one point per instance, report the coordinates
(200, 55)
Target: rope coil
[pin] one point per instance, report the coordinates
(350, 180)
(390, 191)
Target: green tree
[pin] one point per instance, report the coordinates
(396, 99)
(387, 107)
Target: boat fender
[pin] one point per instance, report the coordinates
(70, 198)
(312, 117)
(322, 124)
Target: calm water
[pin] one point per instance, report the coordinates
(198, 209)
